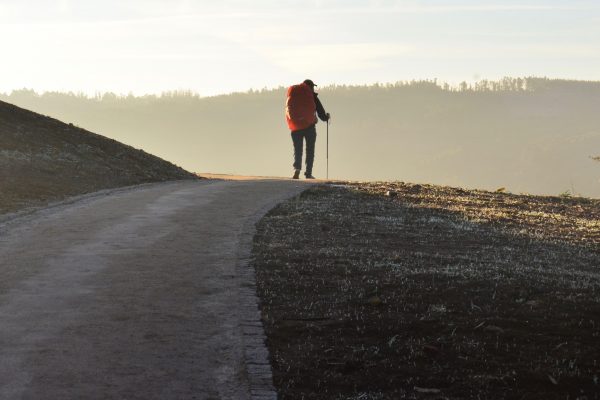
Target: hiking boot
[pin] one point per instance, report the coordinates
(296, 174)
(309, 176)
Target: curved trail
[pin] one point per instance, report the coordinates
(131, 295)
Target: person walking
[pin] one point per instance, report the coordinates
(302, 108)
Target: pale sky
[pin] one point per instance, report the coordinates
(213, 47)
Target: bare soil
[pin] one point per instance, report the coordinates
(393, 290)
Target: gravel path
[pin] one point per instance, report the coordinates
(135, 294)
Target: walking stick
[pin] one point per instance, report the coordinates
(327, 148)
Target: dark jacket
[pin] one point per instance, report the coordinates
(320, 109)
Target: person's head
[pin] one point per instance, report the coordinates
(310, 84)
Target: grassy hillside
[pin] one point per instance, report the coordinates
(529, 135)
(43, 159)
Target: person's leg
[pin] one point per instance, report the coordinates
(297, 139)
(311, 138)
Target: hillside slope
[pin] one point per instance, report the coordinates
(43, 159)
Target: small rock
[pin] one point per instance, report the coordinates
(427, 390)
(494, 329)
(375, 301)
(429, 349)
(391, 193)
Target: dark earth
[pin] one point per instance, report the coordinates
(44, 160)
(393, 291)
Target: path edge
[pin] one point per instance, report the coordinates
(15, 217)
(255, 351)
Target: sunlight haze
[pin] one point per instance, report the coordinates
(211, 48)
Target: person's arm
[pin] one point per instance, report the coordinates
(320, 109)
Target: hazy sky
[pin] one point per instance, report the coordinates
(149, 46)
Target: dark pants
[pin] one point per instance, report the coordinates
(310, 134)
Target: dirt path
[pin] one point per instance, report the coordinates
(131, 295)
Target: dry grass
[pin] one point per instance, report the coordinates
(43, 160)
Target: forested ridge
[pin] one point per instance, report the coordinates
(532, 135)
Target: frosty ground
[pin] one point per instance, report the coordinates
(393, 290)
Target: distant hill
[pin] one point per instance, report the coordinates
(530, 135)
(43, 159)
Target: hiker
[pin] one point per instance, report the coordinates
(301, 105)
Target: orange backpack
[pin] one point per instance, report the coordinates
(300, 107)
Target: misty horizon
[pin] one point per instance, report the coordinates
(478, 84)
(529, 135)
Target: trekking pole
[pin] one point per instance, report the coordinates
(327, 148)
